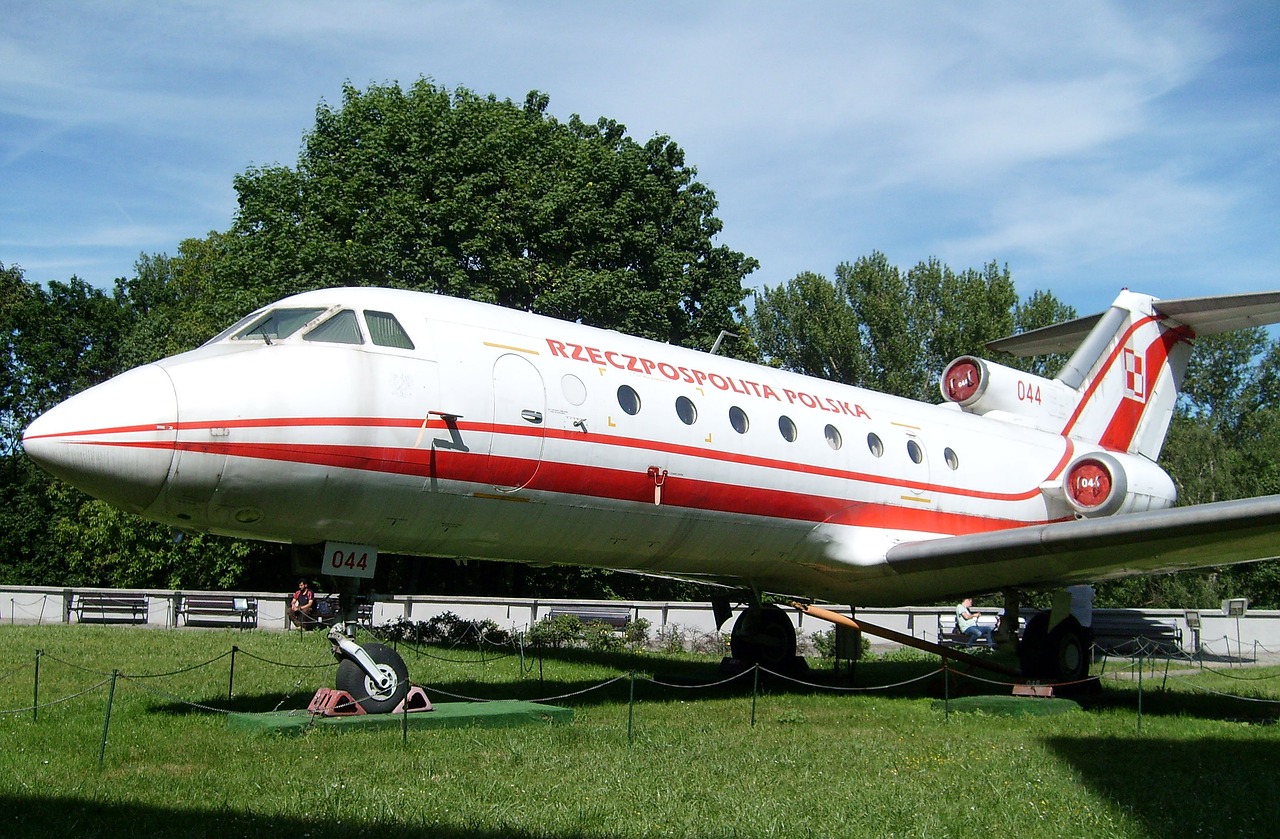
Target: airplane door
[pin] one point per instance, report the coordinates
(519, 422)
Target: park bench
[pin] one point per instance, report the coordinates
(104, 607)
(1130, 632)
(950, 636)
(618, 618)
(326, 612)
(219, 610)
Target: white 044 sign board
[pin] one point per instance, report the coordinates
(343, 559)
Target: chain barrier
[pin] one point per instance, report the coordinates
(286, 664)
(421, 653)
(28, 709)
(15, 604)
(181, 670)
(1233, 695)
(75, 666)
(463, 696)
(732, 678)
(154, 691)
(850, 689)
(1136, 662)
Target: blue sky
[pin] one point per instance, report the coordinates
(1089, 145)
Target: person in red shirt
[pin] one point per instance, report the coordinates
(302, 605)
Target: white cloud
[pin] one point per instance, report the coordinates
(1039, 134)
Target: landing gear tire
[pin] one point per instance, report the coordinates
(356, 682)
(764, 635)
(1060, 654)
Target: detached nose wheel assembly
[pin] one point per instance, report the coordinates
(373, 674)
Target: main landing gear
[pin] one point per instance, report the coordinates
(764, 635)
(1047, 652)
(1058, 654)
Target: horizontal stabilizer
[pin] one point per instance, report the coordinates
(1205, 315)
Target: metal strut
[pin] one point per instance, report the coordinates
(907, 640)
(344, 646)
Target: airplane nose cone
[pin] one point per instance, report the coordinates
(115, 441)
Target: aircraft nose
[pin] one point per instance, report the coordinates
(115, 441)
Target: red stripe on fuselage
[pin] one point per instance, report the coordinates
(578, 437)
(618, 484)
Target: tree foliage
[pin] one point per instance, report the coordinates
(471, 196)
(877, 326)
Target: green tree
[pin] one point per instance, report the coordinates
(879, 327)
(1039, 310)
(470, 196)
(808, 326)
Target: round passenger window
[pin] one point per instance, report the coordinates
(914, 451)
(788, 429)
(738, 419)
(629, 400)
(875, 444)
(834, 440)
(574, 390)
(949, 455)
(686, 410)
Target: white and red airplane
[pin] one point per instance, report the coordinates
(373, 419)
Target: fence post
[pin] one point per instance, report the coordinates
(755, 690)
(231, 679)
(946, 691)
(35, 697)
(106, 723)
(1139, 692)
(631, 705)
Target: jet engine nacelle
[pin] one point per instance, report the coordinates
(984, 387)
(1105, 483)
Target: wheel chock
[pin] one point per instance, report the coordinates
(334, 703)
(415, 700)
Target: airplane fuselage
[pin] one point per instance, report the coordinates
(503, 435)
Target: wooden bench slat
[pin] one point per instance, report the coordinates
(617, 618)
(219, 610)
(110, 608)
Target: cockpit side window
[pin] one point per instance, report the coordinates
(277, 324)
(339, 329)
(386, 331)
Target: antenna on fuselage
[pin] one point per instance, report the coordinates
(724, 333)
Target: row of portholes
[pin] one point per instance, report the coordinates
(687, 411)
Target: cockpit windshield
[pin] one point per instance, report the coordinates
(339, 329)
(277, 324)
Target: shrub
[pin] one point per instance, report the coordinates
(670, 639)
(556, 632)
(636, 634)
(445, 628)
(824, 644)
(600, 637)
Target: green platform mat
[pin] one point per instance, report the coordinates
(504, 714)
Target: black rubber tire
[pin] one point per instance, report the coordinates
(1061, 655)
(354, 681)
(1069, 649)
(764, 635)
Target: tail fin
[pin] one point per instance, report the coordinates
(1128, 362)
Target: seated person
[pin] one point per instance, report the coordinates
(302, 605)
(967, 622)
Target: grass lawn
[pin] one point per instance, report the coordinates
(873, 763)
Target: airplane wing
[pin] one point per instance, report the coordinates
(1088, 550)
